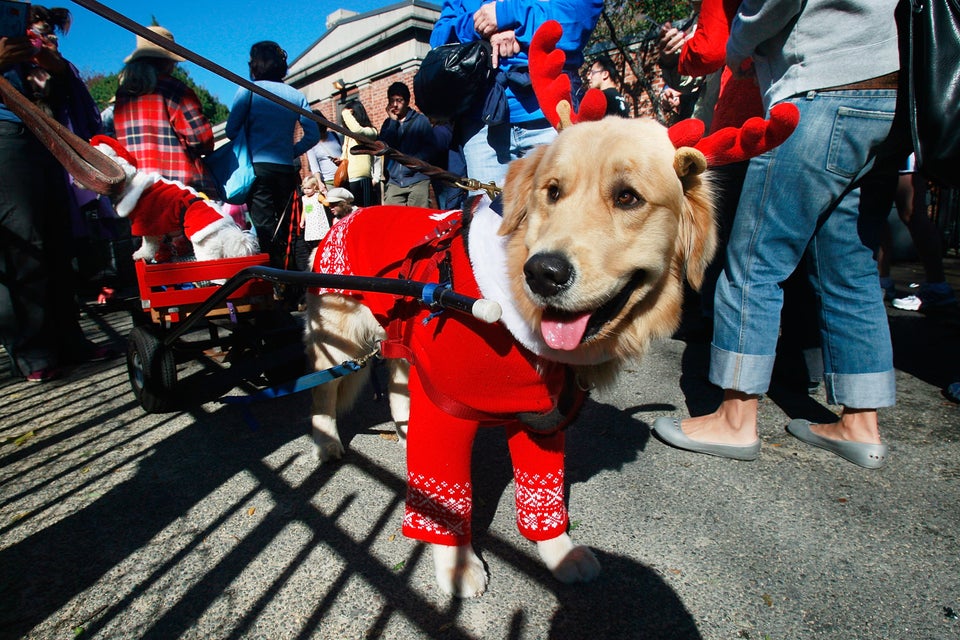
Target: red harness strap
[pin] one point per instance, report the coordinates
(423, 263)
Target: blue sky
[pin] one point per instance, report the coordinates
(219, 30)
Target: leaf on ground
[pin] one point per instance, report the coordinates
(24, 438)
(392, 437)
(399, 565)
(251, 511)
(767, 599)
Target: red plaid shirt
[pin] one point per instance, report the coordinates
(167, 132)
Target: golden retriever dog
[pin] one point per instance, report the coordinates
(599, 229)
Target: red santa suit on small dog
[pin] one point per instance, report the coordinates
(465, 373)
(158, 207)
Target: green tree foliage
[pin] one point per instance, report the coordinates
(636, 18)
(104, 86)
(215, 110)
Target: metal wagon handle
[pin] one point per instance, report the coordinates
(431, 294)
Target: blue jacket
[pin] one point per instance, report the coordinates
(270, 126)
(578, 19)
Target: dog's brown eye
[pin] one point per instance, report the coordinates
(628, 199)
(553, 192)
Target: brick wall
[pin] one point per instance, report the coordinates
(374, 99)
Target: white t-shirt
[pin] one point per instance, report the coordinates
(315, 224)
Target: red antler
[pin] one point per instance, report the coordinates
(552, 86)
(730, 144)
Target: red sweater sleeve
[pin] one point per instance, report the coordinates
(706, 50)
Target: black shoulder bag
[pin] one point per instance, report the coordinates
(933, 87)
(453, 78)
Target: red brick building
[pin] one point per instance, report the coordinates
(360, 55)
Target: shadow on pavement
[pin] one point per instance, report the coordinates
(44, 571)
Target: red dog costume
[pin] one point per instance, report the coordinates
(159, 207)
(465, 374)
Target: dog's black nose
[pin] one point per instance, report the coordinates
(548, 274)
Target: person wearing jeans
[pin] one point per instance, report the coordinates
(813, 201)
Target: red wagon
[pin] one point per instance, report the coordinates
(182, 299)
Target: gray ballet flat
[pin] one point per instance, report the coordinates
(864, 454)
(669, 432)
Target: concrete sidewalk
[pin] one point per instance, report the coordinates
(215, 523)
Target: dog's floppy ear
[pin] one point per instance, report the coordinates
(697, 237)
(519, 184)
(689, 162)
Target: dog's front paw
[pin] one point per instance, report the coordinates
(326, 447)
(143, 253)
(149, 247)
(459, 571)
(327, 451)
(568, 562)
(326, 438)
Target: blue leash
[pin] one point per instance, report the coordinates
(302, 383)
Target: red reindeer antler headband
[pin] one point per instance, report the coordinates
(731, 144)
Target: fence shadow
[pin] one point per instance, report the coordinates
(46, 569)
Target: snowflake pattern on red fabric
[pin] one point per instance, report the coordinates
(332, 256)
(437, 508)
(540, 505)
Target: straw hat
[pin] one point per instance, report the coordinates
(146, 49)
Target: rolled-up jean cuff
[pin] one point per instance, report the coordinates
(740, 371)
(861, 390)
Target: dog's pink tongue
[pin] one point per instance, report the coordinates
(564, 333)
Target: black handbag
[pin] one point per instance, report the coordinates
(453, 78)
(933, 87)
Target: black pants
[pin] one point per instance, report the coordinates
(39, 318)
(268, 202)
(362, 190)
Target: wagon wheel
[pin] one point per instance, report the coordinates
(152, 370)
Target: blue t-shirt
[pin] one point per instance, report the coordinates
(270, 126)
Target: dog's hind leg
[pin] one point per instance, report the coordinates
(323, 423)
(399, 392)
(338, 329)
